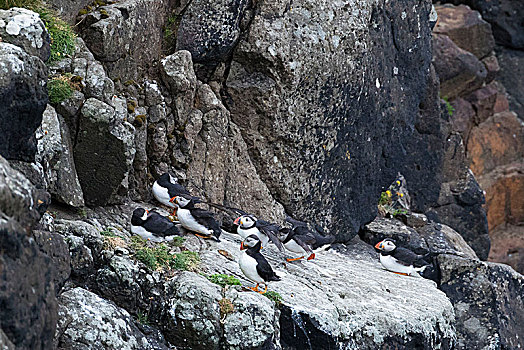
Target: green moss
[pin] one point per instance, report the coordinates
(129, 82)
(275, 296)
(82, 12)
(186, 260)
(449, 107)
(170, 30)
(142, 318)
(104, 13)
(108, 232)
(81, 212)
(7, 4)
(59, 89)
(177, 241)
(223, 280)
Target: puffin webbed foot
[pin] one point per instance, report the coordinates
(294, 259)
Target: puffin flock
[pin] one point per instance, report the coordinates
(255, 233)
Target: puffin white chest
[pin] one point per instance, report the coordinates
(392, 264)
(188, 222)
(162, 195)
(145, 234)
(248, 265)
(294, 247)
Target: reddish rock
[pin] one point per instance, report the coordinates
(492, 66)
(483, 102)
(459, 71)
(504, 188)
(497, 141)
(501, 103)
(507, 246)
(466, 28)
(463, 117)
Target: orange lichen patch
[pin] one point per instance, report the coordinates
(497, 141)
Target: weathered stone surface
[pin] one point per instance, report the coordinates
(87, 321)
(19, 200)
(505, 17)
(23, 98)
(483, 102)
(492, 66)
(512, 69)
(293, 62)
(463, 117)
(68, 9)
(210, 31)
(497, 141)
(23, 28)
(320, 311)
(193, 313)
(508, 246)
(460, 72)
(103, 153)
(466, 28)
(28, 309)
(138, 24)
(55, 153)
(504, 188)
(488, 302)
(53, 245)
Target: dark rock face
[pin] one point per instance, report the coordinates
(28, 310)
(23, 99)
(53, 245)
(118, 37)
(103, 153)
(68, 9)
(281, 97)
(198, 32)
(488, 302)
(512, 63)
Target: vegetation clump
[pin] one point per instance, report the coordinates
(59, 89)
(226, 308)
(223, 280)
(449, 107)
(159, 257)
(275, 296)
(386, 207)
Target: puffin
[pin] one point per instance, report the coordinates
(254, 265)
(302, 241)
(248, 224)
(201, 222)
(153, 226)
(166, 188)
(400, 260)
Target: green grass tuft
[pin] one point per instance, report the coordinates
(142, 318)
(275, 296)
(449, 107)
(59, 89)
(177, 241)
(7, 4)
(186, 260)
(108, 232)
(158, 257)
(223, 280)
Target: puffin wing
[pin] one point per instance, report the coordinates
(305, 235)
(302, 243)
(407, 258)
(160, 225)
(264, 269)
(205, 218)
(271, 231)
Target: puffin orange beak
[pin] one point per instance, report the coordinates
(378, 245)
(242, 246)
(237, 221)
(147, 211)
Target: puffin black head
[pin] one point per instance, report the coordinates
(284, 233)
(246, 221)
(183, 201)
(251, 241)
(139, 216)
(167, 178)
(387, 245)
